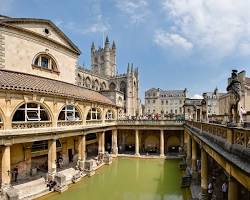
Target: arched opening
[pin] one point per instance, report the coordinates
(103, 86)
(88, 82)
(69, 113)
(94, 114)
(29, 112)
(109, 115)
(152, 144)
(45, 61)
(96, 84)
(112, 86)
(123, 88)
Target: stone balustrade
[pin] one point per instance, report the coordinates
(69, 123)
(94, 122)
(35, 124)
(149, 122)
(233, 135)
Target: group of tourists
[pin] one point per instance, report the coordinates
(211, 186)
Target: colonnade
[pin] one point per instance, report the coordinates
(191, 159)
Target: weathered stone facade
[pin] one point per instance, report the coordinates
(103, 77)
(164, 102)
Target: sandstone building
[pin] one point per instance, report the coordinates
(165, 102)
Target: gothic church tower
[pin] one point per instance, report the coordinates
(103, 60)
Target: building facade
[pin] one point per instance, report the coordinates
(164, 102)
(121, 88)
(212, 102)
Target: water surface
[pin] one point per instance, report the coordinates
(130, 179)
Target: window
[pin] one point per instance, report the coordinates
(148, 101)
(166, 101)
(94, 114)
(175, 111)
(31, 112)
(45, 61)
(109, 115)
(162, 102)
(153, 101)
(180, 101)
(148, 111)
(69, 113)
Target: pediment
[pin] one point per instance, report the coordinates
(45, 28)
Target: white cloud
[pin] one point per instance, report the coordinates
(166, 39)
(219, 25)
(196, 96)
(135, 10)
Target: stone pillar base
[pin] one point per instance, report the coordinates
(60, 183)
(81, 165)
(203, 195)
(90, 173)
(162, 156)
(12, 194)
(137, 154)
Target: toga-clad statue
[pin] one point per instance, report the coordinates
(234, 89)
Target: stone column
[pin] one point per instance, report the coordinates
(114, 142)
(204, 175)
(232, 189)
(162, 143)
(101, 142)
(82, 148)
(6, 167)
(194, 155)
(189, 149)
(137, 152)
(51, 159)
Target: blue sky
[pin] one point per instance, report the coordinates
(191, 44)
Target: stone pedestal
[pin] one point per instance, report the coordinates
(81, 165)
(76, 177)
(12, 194)
(107, 158)
(89, 167)
(60, 180)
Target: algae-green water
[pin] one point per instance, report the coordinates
(129, 179)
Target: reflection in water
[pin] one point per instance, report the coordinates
(130, 179)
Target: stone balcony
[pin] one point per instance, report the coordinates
(233, 143)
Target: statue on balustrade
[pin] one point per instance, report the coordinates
(234, 90)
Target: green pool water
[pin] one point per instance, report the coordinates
(130, 179)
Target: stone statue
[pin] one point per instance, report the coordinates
(234, 90)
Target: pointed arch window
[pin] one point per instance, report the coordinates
(69, 113)
(31, 112)
(94, 114)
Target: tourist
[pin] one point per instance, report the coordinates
(224, 190)
(51, 184)
(15, 172)
(210, 190)
(60, 161)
